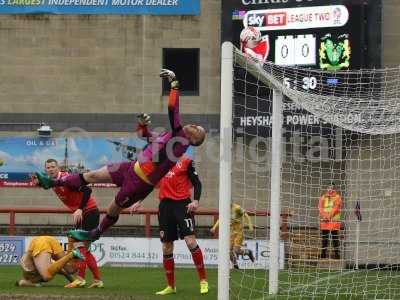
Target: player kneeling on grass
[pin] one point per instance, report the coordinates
(238, 218)
(44, 259)
(176, 214)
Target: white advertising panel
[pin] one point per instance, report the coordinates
(144, 251)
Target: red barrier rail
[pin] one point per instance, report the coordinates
(147, 212)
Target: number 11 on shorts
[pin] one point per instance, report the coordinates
(189, 224)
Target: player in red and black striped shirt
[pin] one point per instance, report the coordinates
(85, 216)
(176, 213)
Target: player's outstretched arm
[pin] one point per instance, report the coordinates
(144, 120)
(173, 100)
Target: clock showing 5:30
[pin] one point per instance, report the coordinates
(305, 83)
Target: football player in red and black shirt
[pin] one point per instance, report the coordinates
(85, 216)
(176, 213)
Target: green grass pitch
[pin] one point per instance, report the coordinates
(318, 284)
(120, 283)
(142, 283)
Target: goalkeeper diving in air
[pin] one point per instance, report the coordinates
(238, 218)
(137, 179)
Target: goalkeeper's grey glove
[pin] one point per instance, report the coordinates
(144, 119)
(170, 75)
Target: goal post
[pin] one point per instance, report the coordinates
(275, 209)
(225, 194)
(225, 169)
(286, 134)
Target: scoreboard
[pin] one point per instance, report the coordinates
(324, 34)
(328, 35)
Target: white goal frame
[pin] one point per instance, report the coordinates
(225, 177)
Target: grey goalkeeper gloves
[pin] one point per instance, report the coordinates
(170, 75)
(144, 119)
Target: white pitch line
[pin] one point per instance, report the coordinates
(307, 285)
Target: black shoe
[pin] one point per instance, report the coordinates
(251, 256)
(235, 266)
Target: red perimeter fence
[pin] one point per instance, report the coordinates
(12, 211)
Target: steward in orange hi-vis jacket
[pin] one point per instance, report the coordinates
(330, 204)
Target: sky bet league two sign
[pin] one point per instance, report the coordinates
(116, 7)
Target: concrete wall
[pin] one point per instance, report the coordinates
(391, 33)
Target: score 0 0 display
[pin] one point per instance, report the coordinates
(295, 50)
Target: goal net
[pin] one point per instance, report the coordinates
(339, 128)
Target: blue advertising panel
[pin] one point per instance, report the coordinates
(98, 7)
(11, 249)
(22, 156)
